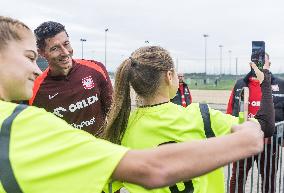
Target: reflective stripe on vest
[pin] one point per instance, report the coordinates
(7, 176)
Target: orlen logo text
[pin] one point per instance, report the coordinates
(255, 103)
(76, 106)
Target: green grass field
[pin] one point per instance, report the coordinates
(198, 84)
(225, 82)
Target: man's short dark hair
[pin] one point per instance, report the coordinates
(46, 30)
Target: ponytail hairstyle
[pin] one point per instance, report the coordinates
(10, 29)
(143, 71)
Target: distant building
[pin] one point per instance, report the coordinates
(42, 63)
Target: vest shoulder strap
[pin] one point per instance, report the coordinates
(206, 120)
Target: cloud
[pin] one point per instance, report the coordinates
(176, 25)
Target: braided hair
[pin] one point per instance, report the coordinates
(143, 71)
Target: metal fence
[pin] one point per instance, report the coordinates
(266, 169)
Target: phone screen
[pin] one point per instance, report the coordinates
(258, 53)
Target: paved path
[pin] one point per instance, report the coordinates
(216, 99)
(211, 96)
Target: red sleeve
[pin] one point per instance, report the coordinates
(106, 92)
(230, 103)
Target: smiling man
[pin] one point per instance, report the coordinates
(78, 91)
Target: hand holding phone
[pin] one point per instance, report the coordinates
(258, 53)
(258, 73)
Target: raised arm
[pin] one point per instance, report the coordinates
(265, 114)
(168, 164)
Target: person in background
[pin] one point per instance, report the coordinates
(268, 173)
(183, 96)
(78, 91)
(40, 152)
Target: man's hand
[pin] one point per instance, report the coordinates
(259, 74)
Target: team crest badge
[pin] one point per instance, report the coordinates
(88, 82)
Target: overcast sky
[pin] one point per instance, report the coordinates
(175, 25)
